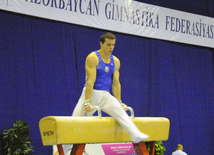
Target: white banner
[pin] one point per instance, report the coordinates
(124, 16)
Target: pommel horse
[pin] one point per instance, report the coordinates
(79, 131)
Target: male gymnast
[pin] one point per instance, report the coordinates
(102, 72)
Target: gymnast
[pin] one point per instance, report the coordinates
(102, 72)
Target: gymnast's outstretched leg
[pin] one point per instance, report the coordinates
(111, 106)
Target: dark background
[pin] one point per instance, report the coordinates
(42, 73)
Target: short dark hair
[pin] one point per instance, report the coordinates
(107, 35)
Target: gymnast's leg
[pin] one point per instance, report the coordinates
(78, 111)
(111, 106)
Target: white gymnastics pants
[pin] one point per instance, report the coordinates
(110, 105)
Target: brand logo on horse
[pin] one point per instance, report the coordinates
(48, 133)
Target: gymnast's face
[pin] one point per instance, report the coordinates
(108, 45)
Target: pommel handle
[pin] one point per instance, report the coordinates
(98, 111)
(131, 111)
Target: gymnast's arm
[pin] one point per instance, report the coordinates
(90, 67)
(116, 87)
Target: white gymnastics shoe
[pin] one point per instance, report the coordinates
(141, 136)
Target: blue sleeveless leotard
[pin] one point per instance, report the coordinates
(104, 73)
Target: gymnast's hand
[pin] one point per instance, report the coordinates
(122, 104)
(88, 105)
(88, 108)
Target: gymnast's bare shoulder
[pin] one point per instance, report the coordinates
(117, 63)
(92, 59)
